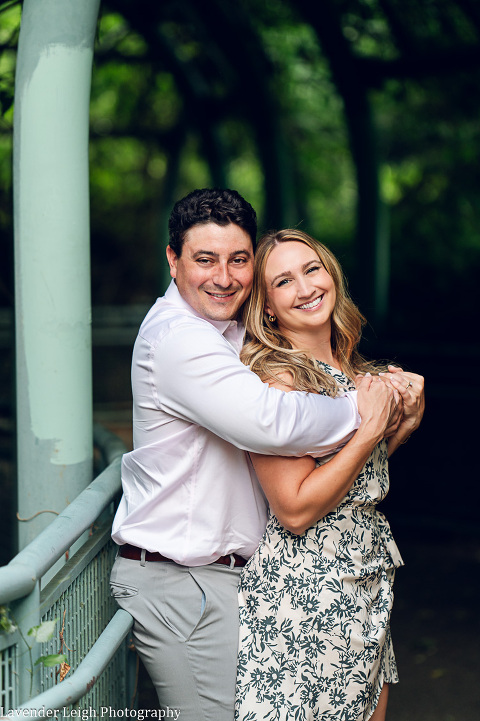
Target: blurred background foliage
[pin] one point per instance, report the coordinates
(357, 120)
(306, 111)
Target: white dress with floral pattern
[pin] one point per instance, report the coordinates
(315, 639)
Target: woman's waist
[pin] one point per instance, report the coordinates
(360, 533)
(360, 505)
(357, 514)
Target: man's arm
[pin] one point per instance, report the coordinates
(202, 380)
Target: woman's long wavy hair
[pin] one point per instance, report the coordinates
(269, 353)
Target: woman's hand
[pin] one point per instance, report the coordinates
(380, 407)
(411, 388)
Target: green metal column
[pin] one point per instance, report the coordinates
(52, 257)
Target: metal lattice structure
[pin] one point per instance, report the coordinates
(8, 671)
(94, 632)
(83, 609)
(78, 597)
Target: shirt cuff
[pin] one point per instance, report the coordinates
(352, 397)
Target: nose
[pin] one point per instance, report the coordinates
(222, 276)
(304, 287)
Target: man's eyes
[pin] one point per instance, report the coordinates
(233, 261)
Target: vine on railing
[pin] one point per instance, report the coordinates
(40, 634)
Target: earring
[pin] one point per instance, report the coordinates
(272, 318)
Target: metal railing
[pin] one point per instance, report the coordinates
(90, 629)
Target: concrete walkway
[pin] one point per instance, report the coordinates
(436, 630)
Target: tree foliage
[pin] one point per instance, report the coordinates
(355, 119)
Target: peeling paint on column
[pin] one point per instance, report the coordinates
(52, 254)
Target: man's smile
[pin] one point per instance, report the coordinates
(221, 296)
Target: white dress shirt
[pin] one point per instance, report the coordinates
(189, 489)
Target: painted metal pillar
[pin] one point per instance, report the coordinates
(52, 257)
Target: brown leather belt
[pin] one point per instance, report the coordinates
(135, 554)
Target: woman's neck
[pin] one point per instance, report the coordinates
(317, 342)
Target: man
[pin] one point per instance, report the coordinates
(192, 510)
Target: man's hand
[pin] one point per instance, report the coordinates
(387, 408)
(411, 388)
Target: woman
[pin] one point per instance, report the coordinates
(316, 597)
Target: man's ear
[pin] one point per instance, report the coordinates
(172, 261)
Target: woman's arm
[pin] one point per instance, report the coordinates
(300, 494)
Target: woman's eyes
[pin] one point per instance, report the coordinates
(311, 269)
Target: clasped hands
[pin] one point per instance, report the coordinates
(402, 406)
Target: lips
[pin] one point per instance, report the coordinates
(311, 304)
(221, 296)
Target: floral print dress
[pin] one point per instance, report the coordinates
(315, 639)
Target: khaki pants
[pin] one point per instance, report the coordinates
(185, 632)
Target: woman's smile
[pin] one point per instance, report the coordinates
(311, 305)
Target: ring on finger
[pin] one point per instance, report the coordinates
(409, 385)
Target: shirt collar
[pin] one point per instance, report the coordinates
(235, 328)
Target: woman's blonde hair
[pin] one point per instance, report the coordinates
(269, 353)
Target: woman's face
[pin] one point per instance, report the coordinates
(300, 292)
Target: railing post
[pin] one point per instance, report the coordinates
(26, 613)
(52, 261)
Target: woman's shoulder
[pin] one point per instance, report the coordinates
(283, 380)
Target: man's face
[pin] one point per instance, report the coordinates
(214, 273)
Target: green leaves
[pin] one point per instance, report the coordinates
(6, 623)
(44, 631)
(41, 634)
(52, 659)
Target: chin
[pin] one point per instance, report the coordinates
(218, 314)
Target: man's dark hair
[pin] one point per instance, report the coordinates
(210, 205)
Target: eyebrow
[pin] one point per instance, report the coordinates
(217, 255)
(289, 272)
